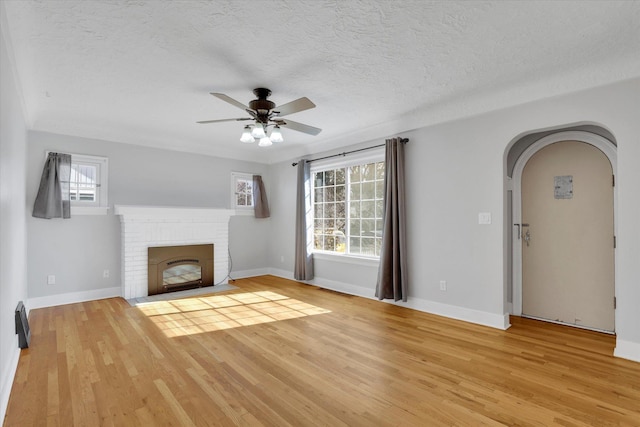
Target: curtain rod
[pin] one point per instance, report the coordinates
(403, 140)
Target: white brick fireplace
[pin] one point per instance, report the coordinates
(145, 226)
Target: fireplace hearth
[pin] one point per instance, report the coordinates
(176, 268)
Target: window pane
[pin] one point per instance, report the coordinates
(354, 245)
(380, 170)
(341, 226)
(329, 178)
(83, 182)
(317, 210)
(340, 176)
(329, 194)
(329, 243)
(317, 241)
(354, 227)
(368, 172)
(329, 225)
(340, 210)
(379, 208)
(368, 209)
(380, 189)
(340, 193)
(329, 210)
(241, 186)
(354, 209)
(354, 192)
(319, 179)
(317, 226)
(368, 191)
(368, 227)
(367, 246)
(354, 173)
(319, 195)
(240, 199)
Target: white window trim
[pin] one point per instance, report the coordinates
(102, 205)
(240, 210)
(364, 157)
(369, 261)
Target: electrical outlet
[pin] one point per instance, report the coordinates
(105, 274)
(51, 279)
(443, 285)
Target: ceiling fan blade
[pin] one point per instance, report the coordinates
(224, 120)
(230, 100)
(300, 127)
(300, 104)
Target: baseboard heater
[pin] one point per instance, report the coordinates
(22, 326)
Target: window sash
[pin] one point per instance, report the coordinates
(242, 191)
(362, 206)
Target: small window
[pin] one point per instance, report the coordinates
(88, 185)
(242, 191)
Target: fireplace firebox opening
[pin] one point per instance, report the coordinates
(176, 268)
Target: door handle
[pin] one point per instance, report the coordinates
(518, 225)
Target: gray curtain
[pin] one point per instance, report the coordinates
(260, 203)
(303, 268)
(392, 272)
(53, 199)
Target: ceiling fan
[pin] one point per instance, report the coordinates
(264, 113)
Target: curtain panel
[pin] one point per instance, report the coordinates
(392, 271)
(53, 199)
(303, 267)
(260, 203)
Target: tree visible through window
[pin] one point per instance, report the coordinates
(348, 206)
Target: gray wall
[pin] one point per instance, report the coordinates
(456, 170)
(78, 250)
(13, 281)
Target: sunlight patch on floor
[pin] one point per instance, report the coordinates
(212, 313)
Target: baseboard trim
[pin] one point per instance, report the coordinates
(7, 378)
(627, 350)
(498, 321)
(243, 274)
(73, 297)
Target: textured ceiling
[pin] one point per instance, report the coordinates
(140, 72)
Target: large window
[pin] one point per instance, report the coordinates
(348, 205)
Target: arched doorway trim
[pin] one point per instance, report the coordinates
(597, 141)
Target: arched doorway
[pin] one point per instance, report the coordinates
(555, 297)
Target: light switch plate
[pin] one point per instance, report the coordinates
(484, 218)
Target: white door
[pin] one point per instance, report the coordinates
(567, 236)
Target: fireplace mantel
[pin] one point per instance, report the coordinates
(145, 226)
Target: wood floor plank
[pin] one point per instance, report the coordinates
(275, 352)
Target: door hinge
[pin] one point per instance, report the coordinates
(614, 303)
(613, 180)
(615, 243)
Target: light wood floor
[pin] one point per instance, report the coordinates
(279, 353)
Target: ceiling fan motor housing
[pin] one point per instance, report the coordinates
(262, 105)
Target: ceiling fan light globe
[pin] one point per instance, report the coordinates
(276, 135)
(246, 135)
(265, 142)
(258, 132)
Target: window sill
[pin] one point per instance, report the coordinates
(89, 210)
(347, 259)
